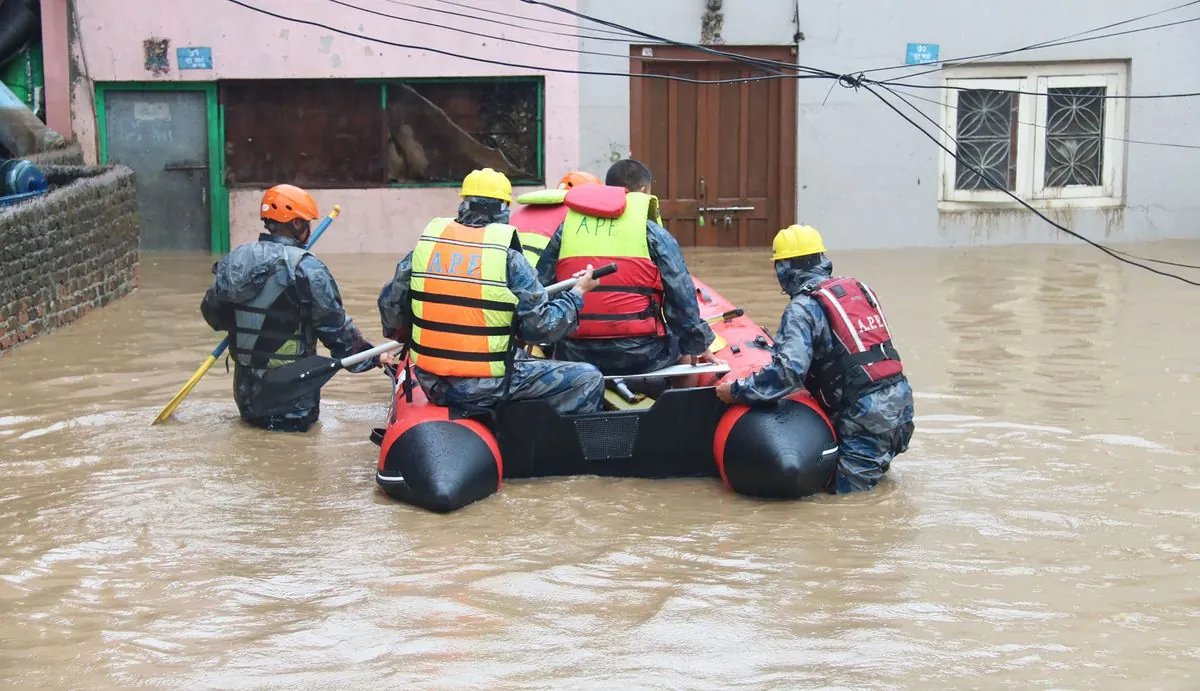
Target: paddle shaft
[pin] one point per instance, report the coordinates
(675, 371)
(552, 289)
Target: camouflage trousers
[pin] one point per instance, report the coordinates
(570, 387)
(871, 433)
(866, 457)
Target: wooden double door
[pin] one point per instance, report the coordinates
(723, 155)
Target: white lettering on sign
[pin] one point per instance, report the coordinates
(151, 111)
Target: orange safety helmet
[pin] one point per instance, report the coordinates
(283, 203)
(578, 177)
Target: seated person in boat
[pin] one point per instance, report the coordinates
(543, 212)
(645, 317)
(834, 341)
(456, 298)
(275, 300)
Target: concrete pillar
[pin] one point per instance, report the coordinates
(56, 58)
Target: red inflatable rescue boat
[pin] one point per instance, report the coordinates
(441, 459)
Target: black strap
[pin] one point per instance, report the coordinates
(269, 333)
(877, 353)
(460, 328)
(637, 290)
(527, 248)
(650, 311)
(459, 301)
(447, 354)
(264, 353)
(252, 310)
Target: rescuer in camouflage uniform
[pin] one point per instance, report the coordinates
(570, 387)
(689, 336)
(276, 300)
(873, 428)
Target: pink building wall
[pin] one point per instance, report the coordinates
(250, 45)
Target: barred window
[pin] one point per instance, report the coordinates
(1050, 134)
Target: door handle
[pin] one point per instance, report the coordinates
(703, 189)
(204, 197)
(727, 208)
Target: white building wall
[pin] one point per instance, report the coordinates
(869, 179)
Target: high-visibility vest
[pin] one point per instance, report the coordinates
(270, 330)
(628, 303)
(543, 212)
(461, 308)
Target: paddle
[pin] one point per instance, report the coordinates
(302, 377)
(220, 349)
(676, 371)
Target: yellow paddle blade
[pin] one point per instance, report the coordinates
(187, 389)
(717, 344)
(615, 402)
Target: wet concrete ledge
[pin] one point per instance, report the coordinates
(67, 252)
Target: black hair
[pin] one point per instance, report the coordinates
(628, 173)
(280, 228)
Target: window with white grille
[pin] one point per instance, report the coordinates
(1051, 134)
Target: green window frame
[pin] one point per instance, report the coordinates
(539, 177)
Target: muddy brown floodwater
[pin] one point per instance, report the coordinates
(1042, 531)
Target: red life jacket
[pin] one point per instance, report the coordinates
(864, 359)
(606, 224)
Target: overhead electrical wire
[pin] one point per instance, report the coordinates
(1034, 124)
(1033, 46)
(502, 39)
(846, 79)
(504, 63)
(500, 13)
(476, 17)
(803, 72)
(468, 32)
(864, 83)
(997, 186)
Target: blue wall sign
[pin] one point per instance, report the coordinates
(194, 58)
(921, 53)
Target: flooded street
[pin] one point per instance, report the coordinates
(1042, 531)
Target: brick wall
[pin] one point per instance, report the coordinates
(67, 252)
(69, 155)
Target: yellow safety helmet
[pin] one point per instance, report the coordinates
(487, 183)
(796, 241)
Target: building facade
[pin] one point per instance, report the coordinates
(1113, 169)
(214, 101)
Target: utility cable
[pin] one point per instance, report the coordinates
(499, 13)
(895, 82)
(844, 79)
(468, 32)
(502, 39)
(476, 17)
(1033, 46)
(1004, 188)
(533, 68)
(860, 81)
(811, 73)
(1034, 124)
(761, 63)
